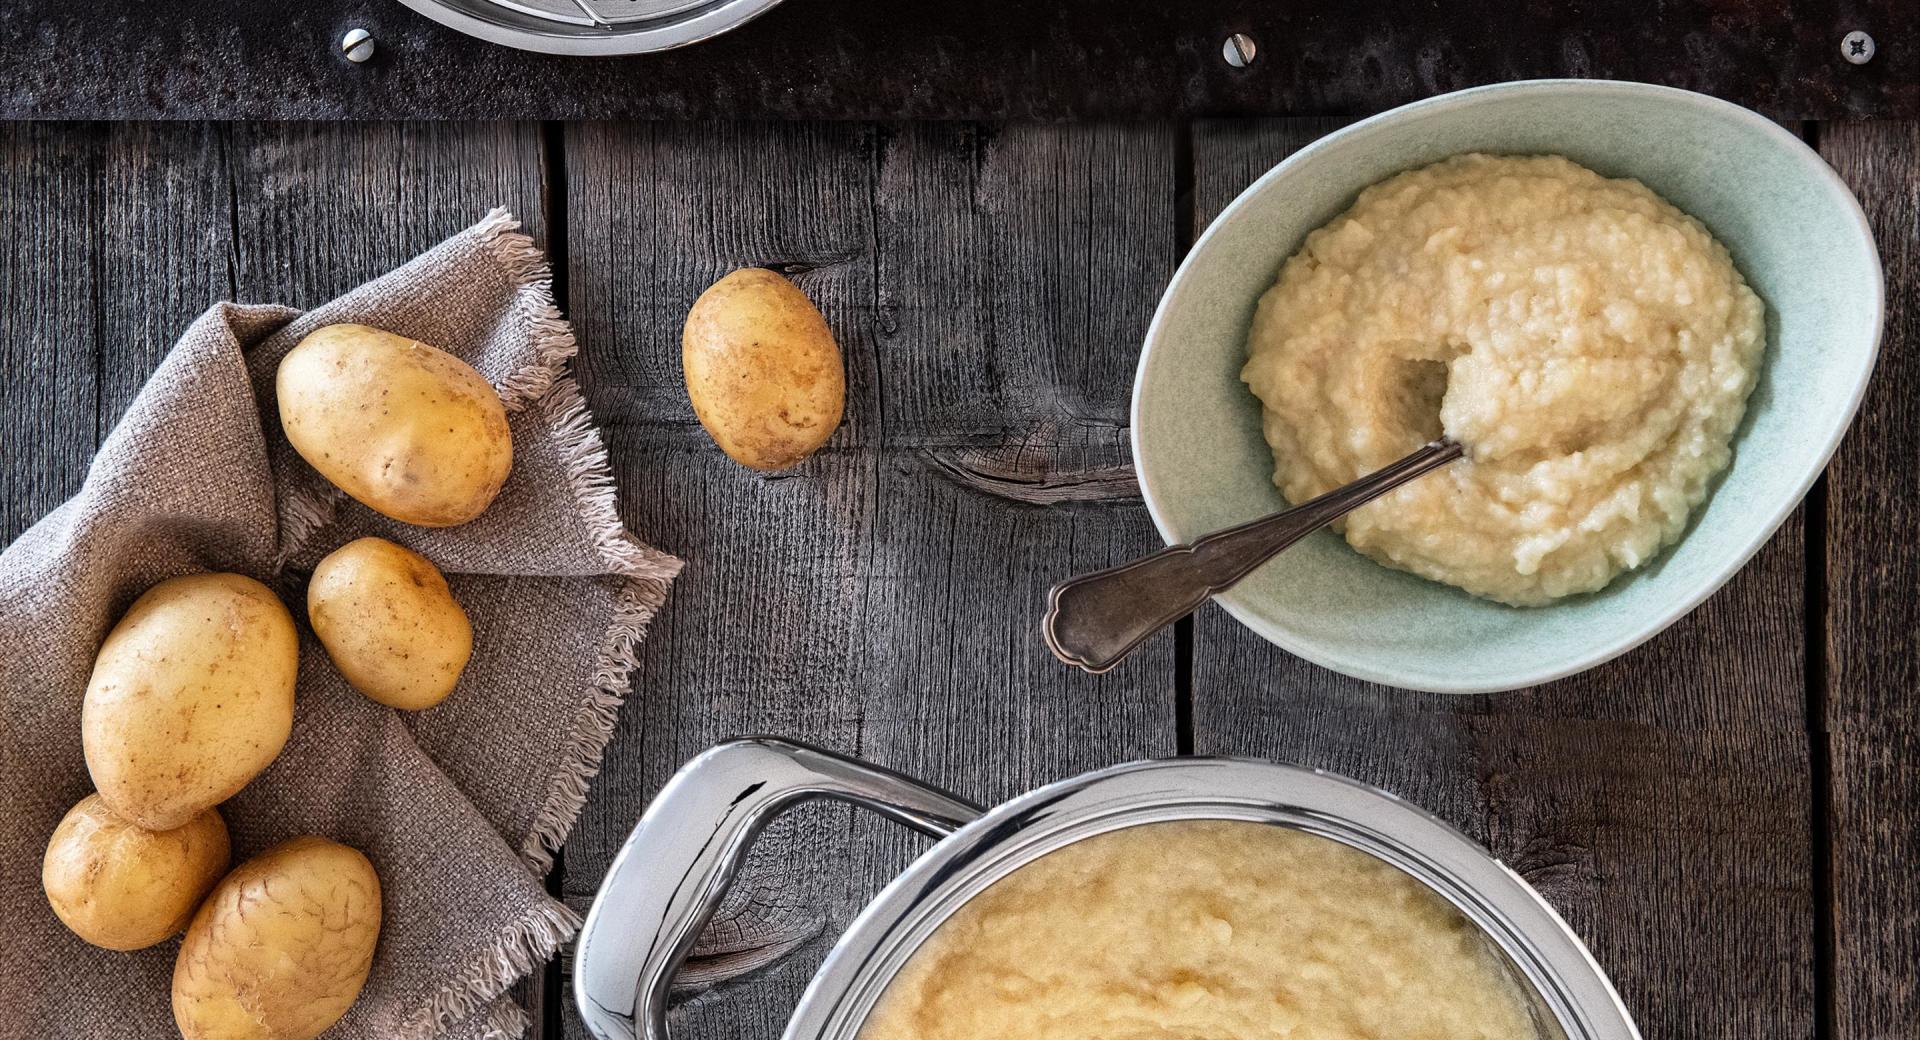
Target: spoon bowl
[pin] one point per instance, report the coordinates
(1096, 619)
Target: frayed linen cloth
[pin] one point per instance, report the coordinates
(460, 806)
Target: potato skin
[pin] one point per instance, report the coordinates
(763, 371)
(390, 623)
(281, 948)
(190, 698)
(408, 429)
(124, 888)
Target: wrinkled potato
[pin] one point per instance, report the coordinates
(408, 429)
(122, 887)
(191, 697)
(280, 950)
(389, 622)
(762, 369)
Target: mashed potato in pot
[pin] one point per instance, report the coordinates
(1591, 346)
(1204, 930)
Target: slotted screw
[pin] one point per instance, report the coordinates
(1857, 47)
(357, 45)
(1239, 50)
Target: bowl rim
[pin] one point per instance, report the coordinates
(1654, 624)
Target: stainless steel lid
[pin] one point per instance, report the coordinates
(674, 869)
(592, 27)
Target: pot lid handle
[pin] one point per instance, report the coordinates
(676, 866)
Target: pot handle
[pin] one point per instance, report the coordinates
(675, 867)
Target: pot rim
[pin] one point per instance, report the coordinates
(510, 26)
(1568, 984)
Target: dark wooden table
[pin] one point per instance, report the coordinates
(1728, 814)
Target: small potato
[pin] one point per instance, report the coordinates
(124, 888)
(763, 371)
(280, 950)
(190, 698)
(408, 429)
(389, 622)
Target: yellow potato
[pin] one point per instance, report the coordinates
(191, 697)
(408, 429)
(762, 369)
(124, 888)
(280, 950)
(389, 622)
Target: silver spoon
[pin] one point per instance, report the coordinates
(1094, 620)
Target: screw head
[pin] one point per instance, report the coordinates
(1857, 47)
(357, 45)
(1239, 50)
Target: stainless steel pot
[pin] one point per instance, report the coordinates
(675, 867)
(592, 27)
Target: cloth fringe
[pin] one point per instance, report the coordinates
(585, 455)
(505, 1021)
(529, 943)
(553, 342)
(637, 600)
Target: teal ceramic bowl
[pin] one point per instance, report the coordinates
(1795, 231)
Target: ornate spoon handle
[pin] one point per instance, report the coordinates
(1094, 620)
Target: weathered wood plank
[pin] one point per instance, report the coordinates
(48, 335)
(322, 207)
(1661, 802)
(989, 288)
(1870, 717)
(117, 238)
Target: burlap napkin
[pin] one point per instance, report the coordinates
(458, 806)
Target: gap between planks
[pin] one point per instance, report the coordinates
(1819, 754)
(1184, 234)
(546, 991)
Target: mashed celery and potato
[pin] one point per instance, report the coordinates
(1591, 346)
(1204, 930)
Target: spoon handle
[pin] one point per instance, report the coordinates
(1094, 620)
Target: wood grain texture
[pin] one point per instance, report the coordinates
(116, 239)
(320, 208)
(1661, 802)
(880, 59)
(1870, 716)
(989, 288)
(48, 334)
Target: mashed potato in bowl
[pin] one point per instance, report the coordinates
(1205, 930)
(1591, 347)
